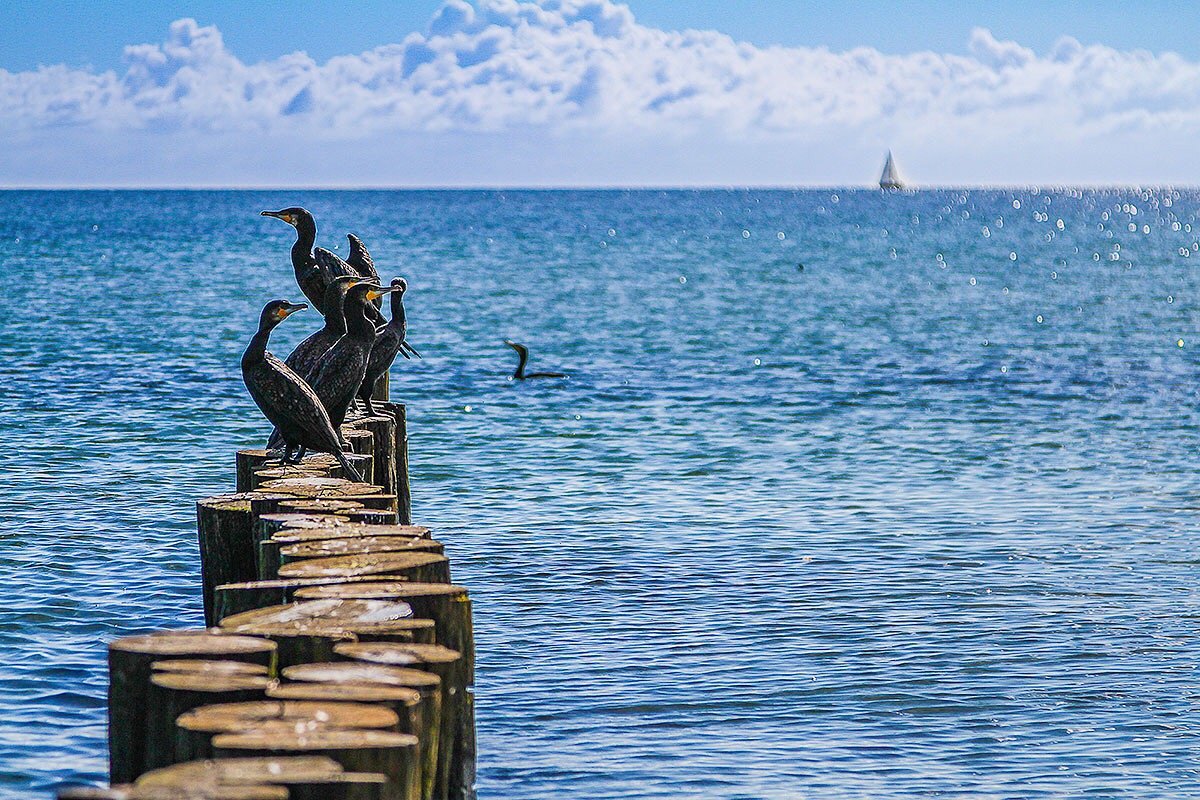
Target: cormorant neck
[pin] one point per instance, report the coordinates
(397, 310)
(524, 357)
(306, 237)
(358, 324)
(335, 320)
(257, 349)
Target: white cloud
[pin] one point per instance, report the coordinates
(587, 68)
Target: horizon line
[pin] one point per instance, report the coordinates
(582, 187)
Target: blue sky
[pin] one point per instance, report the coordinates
(591, 92)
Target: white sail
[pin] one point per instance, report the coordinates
(890, 179)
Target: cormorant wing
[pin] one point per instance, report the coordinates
(331, 265)
(360, 260)
(291, 398)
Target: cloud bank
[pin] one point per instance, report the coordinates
(527, 78)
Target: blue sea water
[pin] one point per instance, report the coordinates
(916, 518)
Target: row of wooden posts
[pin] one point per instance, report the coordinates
(338, 659)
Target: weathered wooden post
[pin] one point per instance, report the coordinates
(448, 665)
(449, 607)
(393, 755)
(226, 536)
(400, 413)
(130, 663)
(197, 727)
(427, 684)
(174, 693)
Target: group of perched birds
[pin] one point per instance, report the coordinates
(308, 395)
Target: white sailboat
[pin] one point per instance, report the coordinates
(890, 179)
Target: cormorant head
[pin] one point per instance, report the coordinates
(399, 285)
(294, 216)
(366, 292)
(520, 348)
(277, 311)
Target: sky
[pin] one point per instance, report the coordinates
(596, 93)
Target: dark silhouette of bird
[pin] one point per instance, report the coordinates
(389, 342)
(338, 375)
(333, 266)
(285, 398)
(309, 277)
(306, 354)
(523, 354)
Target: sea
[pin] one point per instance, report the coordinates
(847, 493)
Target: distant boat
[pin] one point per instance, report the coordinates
(890, 179)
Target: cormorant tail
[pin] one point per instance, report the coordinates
(351, 473)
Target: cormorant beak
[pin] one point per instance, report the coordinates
(288, 218)
(377, 292)
(292, 309)
(513, 345)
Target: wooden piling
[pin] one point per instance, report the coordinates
(425, 567)
(352, 639)
(450, 667)
(426, 683)
(449, 607)
(172, 694)
(393, 755)
(400, 414)
(130, 663)
(226, 536)
(383, 430)
(196, 728)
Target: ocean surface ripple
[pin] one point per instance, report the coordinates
(849, 494)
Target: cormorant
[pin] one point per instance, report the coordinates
(308, 276)
(334, 266)
(340, 372)
(283, 396)
(389, 341)
(523, 353)
(309, 352)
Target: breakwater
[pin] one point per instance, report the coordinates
(338, 657)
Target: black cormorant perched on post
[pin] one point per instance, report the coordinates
(309, 352)
(310, 279)
(523, 354)
(389, 342)
(340, 372)
(285, 399)
(333, 266)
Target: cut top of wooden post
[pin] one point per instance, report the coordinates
(361, 672)
(324, 739)
(199, 682)
(319, 506)
(352, 545)
(362, 564)
(191, 643)
(293, 535)
(377, 589)
(397, 654)
(240, 501)
(342, 691)
(234, 772)
(331, 613)
(209, 667)
(320, 487)
(302, 714)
